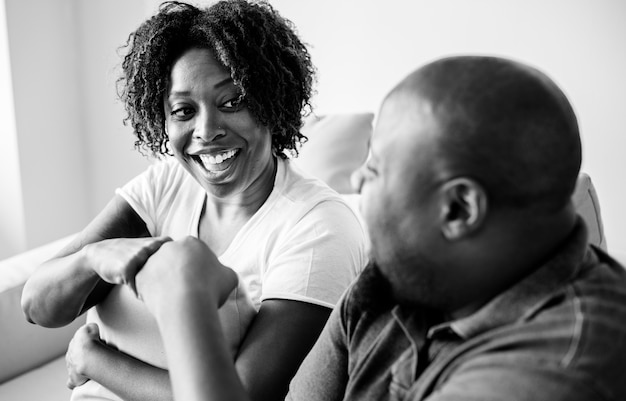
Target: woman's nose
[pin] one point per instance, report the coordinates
(209, 127)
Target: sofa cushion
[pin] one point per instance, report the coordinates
(46, 383)
(337, 146)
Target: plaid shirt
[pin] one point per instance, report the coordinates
(559, 334)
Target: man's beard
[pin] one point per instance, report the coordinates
(372, 290)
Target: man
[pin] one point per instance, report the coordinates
(482, 286)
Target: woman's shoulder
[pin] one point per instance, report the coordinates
(162, 182)
(165, 168)
(168, 174)
(302, 191)
(299, 186)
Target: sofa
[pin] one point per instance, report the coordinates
(32, 366)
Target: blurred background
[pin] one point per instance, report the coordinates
(65, 149)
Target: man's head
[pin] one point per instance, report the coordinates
(469, 157)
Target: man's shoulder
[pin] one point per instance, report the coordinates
(601, 269)
(560, 332)
(586, 310)
(579, 334)
(598, 298)
(599, 290)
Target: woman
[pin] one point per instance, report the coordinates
(223, 89)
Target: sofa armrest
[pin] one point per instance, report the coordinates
(25, 346)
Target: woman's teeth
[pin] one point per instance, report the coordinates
(218, 158)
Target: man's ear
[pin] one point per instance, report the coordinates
(464, 207)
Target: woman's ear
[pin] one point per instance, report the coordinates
(464, 207)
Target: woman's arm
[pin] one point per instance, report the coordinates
(183, 286)
(88, 358)
(283, 331)
(108, 251)
(201, 365)
(180, 285)
(277, 341)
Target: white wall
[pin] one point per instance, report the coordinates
(104, 26)
(74, 150)
(52, 168)
(362, 48)
(12, 225)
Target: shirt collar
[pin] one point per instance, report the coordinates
(524, 299)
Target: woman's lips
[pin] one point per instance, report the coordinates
(217, 161)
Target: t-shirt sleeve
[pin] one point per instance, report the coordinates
(322, 255)
(144, 193)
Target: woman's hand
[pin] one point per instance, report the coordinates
(84, 339)
(118, 260)
(185, 268)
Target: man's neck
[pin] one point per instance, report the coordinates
(524, 252)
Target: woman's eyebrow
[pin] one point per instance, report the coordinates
(223, 82)
(179, 93)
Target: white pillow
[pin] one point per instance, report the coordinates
(337, 146)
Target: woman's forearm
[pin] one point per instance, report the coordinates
(201, 367)
(66, 286)
(108, 251)
(127, 377)
(56, 292)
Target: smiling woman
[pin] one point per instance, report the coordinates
(222, 90)
(214, 135)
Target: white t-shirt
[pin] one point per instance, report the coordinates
(304, 244)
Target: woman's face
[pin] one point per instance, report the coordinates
(211, 132)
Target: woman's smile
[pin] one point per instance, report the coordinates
(212, 132)
(216, 161)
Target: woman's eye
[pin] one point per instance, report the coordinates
(182, 112)
(234, 104)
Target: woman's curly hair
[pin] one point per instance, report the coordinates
(261, 49)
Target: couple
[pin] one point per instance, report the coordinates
(481, 283)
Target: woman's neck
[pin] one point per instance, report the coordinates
(245, 203)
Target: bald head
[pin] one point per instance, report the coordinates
(504, 124)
